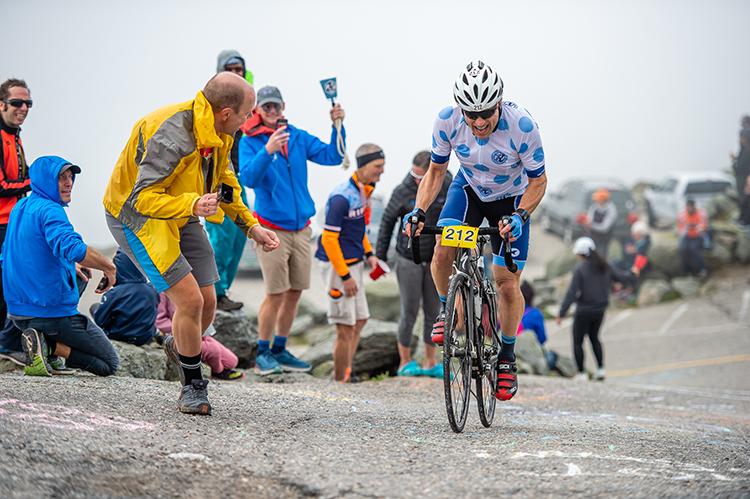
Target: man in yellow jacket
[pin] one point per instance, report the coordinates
(172, 171)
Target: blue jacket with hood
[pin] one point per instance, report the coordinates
(41, 249)
(281, 193)
(127, 312)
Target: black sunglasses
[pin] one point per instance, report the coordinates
(18, 102)
(271, 106)
(485, 115)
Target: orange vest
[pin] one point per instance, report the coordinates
(14, 174)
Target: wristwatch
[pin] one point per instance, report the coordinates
(523, 214)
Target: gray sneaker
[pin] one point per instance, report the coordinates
(194, 398)
(36, 350)
(58, 366)
(170, 348)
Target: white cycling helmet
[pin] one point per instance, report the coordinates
(478, 87)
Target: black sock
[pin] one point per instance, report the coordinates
(52, 344)
(191, 366)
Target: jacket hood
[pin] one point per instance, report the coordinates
(127, 272)
(224, 56)
(44, 173)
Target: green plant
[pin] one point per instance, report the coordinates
(380, 377)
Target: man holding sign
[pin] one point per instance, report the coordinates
(502, 173)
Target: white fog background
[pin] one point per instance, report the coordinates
(626, 89)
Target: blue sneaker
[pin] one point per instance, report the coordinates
(410, 369)
(265, 364)
(435, 371)
(290, 363)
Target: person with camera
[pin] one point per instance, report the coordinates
(273, 162)
(43, 297)
(173, 170)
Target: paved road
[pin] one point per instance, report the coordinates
(672, 420)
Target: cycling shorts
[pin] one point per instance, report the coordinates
(463, 206)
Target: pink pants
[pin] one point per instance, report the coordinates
(217, 356)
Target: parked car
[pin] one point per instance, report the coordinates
(667, 198)
(565, 212)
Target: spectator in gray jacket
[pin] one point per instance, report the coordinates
(602, 217)
(414, 281)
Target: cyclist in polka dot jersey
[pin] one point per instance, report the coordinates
(502, 172)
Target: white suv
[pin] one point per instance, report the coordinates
(666, 199)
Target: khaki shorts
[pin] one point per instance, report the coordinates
(288, 266)
(345, 310)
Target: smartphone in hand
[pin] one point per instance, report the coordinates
(225, 193)
(280, 122)
(103, 284)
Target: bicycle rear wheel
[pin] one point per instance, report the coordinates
(456, 354)
(487, 350)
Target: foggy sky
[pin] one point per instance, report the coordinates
(623, 89)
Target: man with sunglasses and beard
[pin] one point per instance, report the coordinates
(15, 103)
(501, 173)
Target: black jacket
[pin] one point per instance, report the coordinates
(590, 288)
(400, 205)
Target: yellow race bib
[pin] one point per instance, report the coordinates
(460, 236)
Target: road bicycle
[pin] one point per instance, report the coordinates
(470, 341)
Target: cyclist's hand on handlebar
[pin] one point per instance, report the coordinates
(413, 222)
(515, 227)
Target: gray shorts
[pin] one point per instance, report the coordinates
(196, 255)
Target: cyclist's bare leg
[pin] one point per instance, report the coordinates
(442, 267)
(510, 303)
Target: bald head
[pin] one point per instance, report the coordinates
(228, 90)
(232, 100)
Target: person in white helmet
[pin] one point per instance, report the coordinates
(502, 173)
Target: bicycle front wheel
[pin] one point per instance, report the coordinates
(487, 350)
(456, 353)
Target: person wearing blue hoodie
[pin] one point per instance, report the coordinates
(39, 277)
(273, 162)
(127, 312)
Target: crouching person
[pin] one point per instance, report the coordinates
(39, 260)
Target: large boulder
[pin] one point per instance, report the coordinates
(147, 361)
(376, 353)
(654, 291)
(530, 354)
(235, 331)
(664, 255)
(562, 263)
(384, 300)
(306, 307)
(687, 287)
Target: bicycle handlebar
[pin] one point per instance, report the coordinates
(489, 231)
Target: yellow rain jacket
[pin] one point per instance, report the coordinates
(161, 173)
